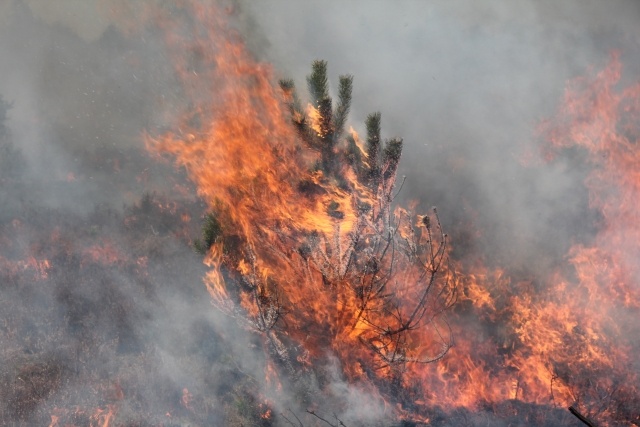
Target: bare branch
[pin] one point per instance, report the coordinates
(340, 423)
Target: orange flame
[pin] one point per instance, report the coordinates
(102, 417)
(573, 339)
(239, 148)
(249, 166)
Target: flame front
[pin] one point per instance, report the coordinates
(293, 231)
(570, 340)
(571, 337)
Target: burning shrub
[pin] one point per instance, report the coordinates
(313, 254)
(352, 271)
(304, 243)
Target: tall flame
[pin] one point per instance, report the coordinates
(293, 231)
(568, 340)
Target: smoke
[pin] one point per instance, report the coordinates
(102, 293)
(465, 84)
(103, 302)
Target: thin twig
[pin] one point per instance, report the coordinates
(291, 422)
(340, 423)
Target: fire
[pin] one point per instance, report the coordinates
(292, 228)
(315, 117)
(103, 417)
(265, 410)
(266, 414)
(289, 244)
(105, 253)
(100, 417)
(358, 141)
(602, 120)
(571, 338)
(186, 399)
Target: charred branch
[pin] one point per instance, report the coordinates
(581, 417)
(291, 423)
(337, 420)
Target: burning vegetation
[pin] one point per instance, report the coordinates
(347, 273)
(359, 311)
(304, 244)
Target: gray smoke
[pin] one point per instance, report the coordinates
(80, 333)
(464, 83)
(138, 332)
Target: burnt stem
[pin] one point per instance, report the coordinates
(581, 417)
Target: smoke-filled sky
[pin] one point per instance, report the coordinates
(465, 83)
